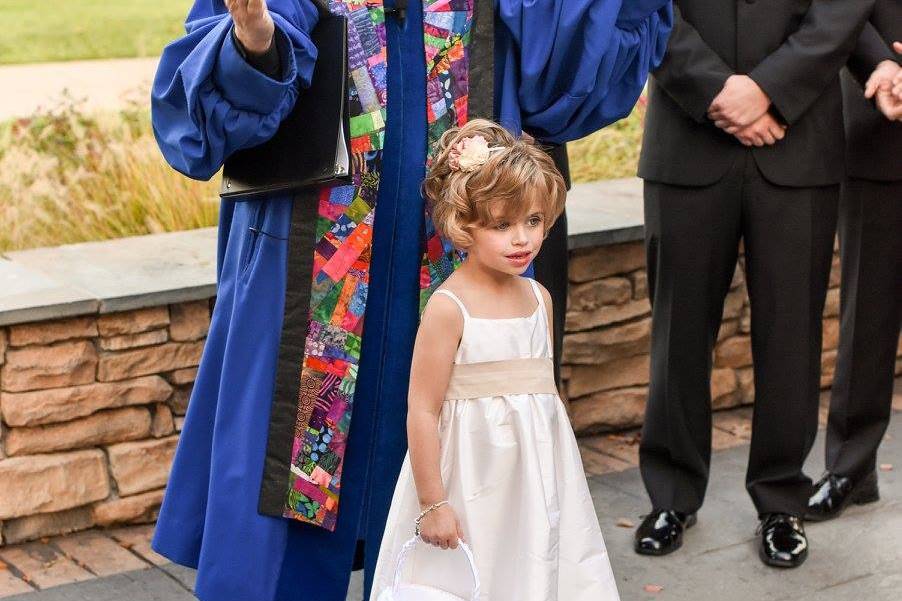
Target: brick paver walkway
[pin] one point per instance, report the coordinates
(77, 557)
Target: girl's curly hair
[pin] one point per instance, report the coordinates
(504, 187)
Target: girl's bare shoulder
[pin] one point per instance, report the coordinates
(441, 312)
(545, 294)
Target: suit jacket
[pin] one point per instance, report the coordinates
(873, 143)
(793, 49)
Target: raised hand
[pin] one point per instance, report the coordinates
(765, 131)
(740, 103)
(253, 24)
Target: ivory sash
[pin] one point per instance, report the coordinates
(497, 378)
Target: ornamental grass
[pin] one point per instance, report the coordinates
(610, 153)
(68, 176)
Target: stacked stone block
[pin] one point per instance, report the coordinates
(606, 345)
(91, 408)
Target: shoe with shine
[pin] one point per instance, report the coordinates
(783, 542)
(661, 532)
(833, 494)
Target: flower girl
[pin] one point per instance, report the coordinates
(492, 458)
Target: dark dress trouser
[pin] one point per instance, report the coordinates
(870, 235)
(692, 239)
(551, 264)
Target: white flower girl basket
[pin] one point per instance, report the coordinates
(399, 591)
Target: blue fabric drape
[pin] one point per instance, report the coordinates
(566, 68)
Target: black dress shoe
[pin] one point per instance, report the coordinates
(783, 541)
(661, 532)
(833, 494)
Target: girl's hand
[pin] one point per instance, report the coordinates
(254, 27)
(441, 528)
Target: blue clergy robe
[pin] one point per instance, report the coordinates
(564, 68)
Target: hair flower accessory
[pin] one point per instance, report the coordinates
(470, 153)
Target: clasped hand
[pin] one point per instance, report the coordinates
(884, 86)
(741, 109)
(254, 26)
(740, 103)
(897, 79)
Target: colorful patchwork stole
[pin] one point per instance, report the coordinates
(343, 241)
(446, 25)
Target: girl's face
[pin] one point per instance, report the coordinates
(509, 245)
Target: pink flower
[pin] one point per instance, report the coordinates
(469, 153)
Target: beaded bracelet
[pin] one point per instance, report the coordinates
(426, 512)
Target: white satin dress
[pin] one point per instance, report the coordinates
(513, 474)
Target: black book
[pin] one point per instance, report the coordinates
(310, 147)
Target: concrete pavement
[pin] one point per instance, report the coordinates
(855, 558)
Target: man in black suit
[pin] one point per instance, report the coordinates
(870, 234)
(743, 141)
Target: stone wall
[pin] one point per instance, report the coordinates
(606, 361)
(91, 409)
(92, 405)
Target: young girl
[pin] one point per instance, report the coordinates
(492, 458)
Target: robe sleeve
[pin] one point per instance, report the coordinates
(207, 101)
(569, 67)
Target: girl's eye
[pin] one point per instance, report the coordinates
(535, 221)
(502, 226)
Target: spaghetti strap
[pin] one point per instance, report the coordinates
(456, 300)
(544, 312)
(538, 293)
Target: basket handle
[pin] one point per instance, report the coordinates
(408, 547)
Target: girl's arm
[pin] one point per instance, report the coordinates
(433, 355)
